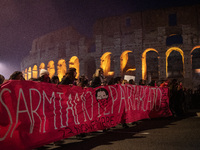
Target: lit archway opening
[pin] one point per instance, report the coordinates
(127, 63)
(42, 66)
(74, 63)
(35, 71)
(106, 64)
(29, 73)
(176, 61)
(51, 68)
(195, 55)
(61, 68)
(144, 62)
(26, 74)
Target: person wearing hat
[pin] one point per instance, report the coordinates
(44, 76)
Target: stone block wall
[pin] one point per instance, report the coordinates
(136, 32)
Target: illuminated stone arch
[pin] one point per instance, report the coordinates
(195, 55)
(74, 63)
(168, 52)
(61, 68)
(196, 47)
(51, 68)
(124, 66)
(35, 71)
(106, 64)
(144, 63)
(42, 66)
(29, 73)
(26, 74)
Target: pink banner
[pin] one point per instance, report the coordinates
(33, 114)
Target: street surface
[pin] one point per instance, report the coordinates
(181, 133)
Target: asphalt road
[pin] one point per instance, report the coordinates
(181, 133)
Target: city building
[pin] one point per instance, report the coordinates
(150, 45)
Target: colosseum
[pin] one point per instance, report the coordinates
(149, 45)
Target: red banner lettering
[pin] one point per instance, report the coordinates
(33, 114)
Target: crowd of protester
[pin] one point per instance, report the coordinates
(180, 98)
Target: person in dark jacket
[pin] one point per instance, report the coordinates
(70, 77)
(98, 78)
(55, 80)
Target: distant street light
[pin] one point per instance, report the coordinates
(6, 70)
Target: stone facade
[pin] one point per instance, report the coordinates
(160, 32)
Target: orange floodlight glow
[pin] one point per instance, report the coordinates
(105, 63)
(131, 70)
(74, 63)
(111, 73)
(61, 69)
(51, 68)
(35, 71)
(29, 73)
(124, 60)
(42, 66)
(197, 71)
(25, 74)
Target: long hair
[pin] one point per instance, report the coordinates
(14, 75)
(83, 81)
(69, 77)
(70, 73)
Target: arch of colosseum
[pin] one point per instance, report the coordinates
(150, 45)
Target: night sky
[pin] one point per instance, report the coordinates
(22, 21)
